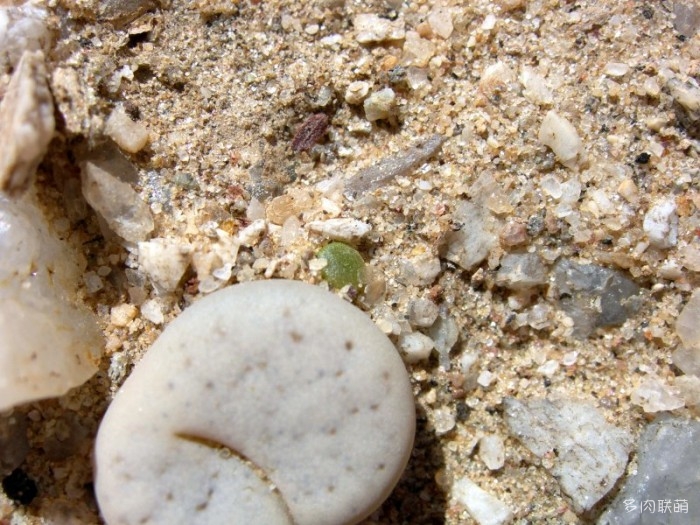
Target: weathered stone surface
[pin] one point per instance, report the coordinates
(26, 122)
(520, 271)
(470, 244)
(667, 480)
(590, 454)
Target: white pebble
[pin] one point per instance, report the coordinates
(252, 233)
(415, 346)
(420, 270)
(548, 368)
(129, 135)
(371, 28)
(152, 311)
(443, 420)
(536, 90)
(164, 261)
(492, 451)
(423, 312)
(440, 20)
(616, 69)
(380, 105)
(485, 378)
(122, 314)
(341, 229)
(417, 51)
(356, 92)
(255, 404)
(561, 136)
(661, 224)
(482, 506)
(489, 22)
(655, 396)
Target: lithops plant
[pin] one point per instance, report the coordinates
(269, 402)
(344, 265)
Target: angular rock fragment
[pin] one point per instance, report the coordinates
(594, 296)
(26, 122)
(661, 224)
(48, 344)
(687, 98)
(440, 20)
(589, 453)
(535, 87)
(73, 99)
(473, 237)
(417, 51)
(444, 333)
(22, 28)
(687, 17)
(380, 105)
(653, 395)
(371, 28)
(482, 506)
(666, 480)
(129, 135)
(492, 451)
(520, 271)
(165, 262)
(117, 203)
(420, 270)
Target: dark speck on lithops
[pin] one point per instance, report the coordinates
(345, 265)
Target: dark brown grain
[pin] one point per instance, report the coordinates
(310, 132)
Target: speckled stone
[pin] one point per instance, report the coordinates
(266, 402)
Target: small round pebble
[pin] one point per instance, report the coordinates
(269, 402)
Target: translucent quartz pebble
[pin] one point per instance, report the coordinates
(594, 296)
(668, 462)
(48, 345)
(266, 402)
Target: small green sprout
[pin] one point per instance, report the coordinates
(345, 265)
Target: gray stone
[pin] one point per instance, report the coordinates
(594, 296)
(588, 453)
(666, 486)
(520, 271)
